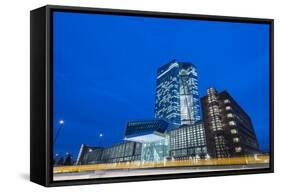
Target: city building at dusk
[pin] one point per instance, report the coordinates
(177, 95)
(177, 132)
(229, 129)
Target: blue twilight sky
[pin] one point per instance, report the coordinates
(105, 70)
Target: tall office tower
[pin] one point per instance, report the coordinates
(229, 130)
(177, 97)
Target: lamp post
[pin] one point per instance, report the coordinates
(100, 138)
(61, 123)
(58, 162)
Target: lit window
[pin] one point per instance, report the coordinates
(229, 115)
(228, 108)
(233, 131)
(236, 140)
(226, 101)
(238, 149)
(232, 123)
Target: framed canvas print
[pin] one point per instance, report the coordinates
(122, 95)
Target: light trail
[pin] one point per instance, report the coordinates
(261, 159)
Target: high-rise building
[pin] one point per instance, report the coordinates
(229, 129)
(177, 97)
(177, 132)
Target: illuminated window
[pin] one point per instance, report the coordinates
(226, 101)
(232, 123)
(228, 108)
(238, 149)
(233, 131)
(236, 140)
(229, 115)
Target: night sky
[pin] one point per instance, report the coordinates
(105, 71)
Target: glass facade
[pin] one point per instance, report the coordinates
(178, 133)
(127, 151)
(155, 151)
(188, 141)
(151, 134)
(136, 128)
(123, 152)
(177, 97)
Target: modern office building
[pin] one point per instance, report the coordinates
(188, 142)
(151, 141)
(177, 97)
(146, 131)
(177, 132)
(89, 155)
(151, 133)
(229, 130)
(122, 152)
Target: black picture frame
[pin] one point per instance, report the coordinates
(41, 133)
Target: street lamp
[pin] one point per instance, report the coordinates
(61, 123)
(100, 137)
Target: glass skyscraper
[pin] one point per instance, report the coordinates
(177, 132)
(177, 96)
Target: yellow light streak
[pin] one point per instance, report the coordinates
(247, 160)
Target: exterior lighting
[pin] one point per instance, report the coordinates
(228, 108)
(233, 131)
(232, 123)
(238, 149)
(61, 122)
